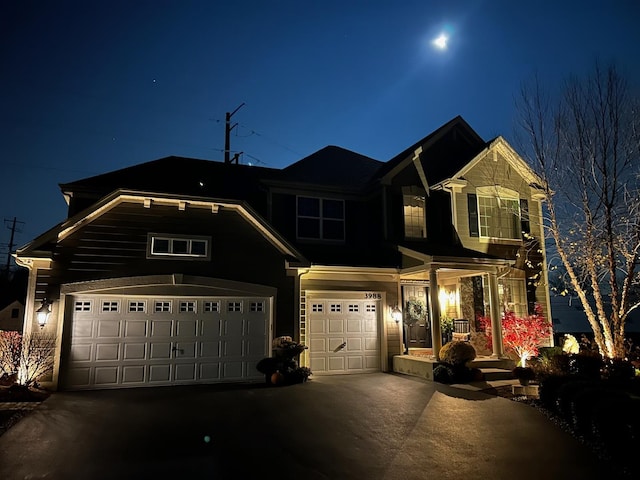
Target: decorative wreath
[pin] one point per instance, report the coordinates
(415, 311)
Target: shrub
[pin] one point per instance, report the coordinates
(457, 353)
(10, 350)
(551, 361)
(585, 365)
(443, 374)
(548, 389)
(618, 370)
(566, 393)
(521, 335)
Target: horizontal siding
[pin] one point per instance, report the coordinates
(487, 173)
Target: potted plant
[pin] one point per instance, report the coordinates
(524, 374)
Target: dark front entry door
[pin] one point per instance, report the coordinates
(417, 329)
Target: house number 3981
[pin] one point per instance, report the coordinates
(372, 296)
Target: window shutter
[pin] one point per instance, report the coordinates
(472, 204)
(524, 216)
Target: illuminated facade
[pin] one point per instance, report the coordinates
(181, 271)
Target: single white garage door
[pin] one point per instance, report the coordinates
(343, 335)
(121, 341)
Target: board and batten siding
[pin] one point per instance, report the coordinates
(115, 245)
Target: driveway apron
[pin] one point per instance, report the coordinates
(372, 426)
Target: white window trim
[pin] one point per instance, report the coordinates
(414, 192)
(321, 218)
(151, 237)
(496, 191)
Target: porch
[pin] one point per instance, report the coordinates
(420, 362)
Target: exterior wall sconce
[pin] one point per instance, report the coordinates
(43, 313)
(396, 314)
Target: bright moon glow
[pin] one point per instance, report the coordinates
(441, 41)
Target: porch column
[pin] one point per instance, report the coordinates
(496, 317)
(434, 313)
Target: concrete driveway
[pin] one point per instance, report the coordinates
(377, 426)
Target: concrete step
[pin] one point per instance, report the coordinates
(485, 362)
(495, 374)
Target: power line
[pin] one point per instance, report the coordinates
(15, 226)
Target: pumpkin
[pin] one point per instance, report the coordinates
(277, 378)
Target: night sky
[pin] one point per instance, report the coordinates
(92, 86)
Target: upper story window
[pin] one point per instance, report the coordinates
(414, 213)
(194, 247)
(320, 218)
(496, 212)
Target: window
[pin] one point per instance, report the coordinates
(512, 294)
(234, 307)
(496, 212)
(499, 217)
(82, 306)
(188, 306)
(162, 306)
(135, 306)
(335, 308)
(320, 218)
(317, 307)
(110, 306)
(257, 307)
(15, 312)
(211, 306)
(353, 307)
(371, 307)
(414, 212)
(175, 246)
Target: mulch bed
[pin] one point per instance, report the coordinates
(17, 394)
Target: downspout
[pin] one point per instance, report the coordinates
(30, 300)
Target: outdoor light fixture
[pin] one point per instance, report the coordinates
(396, 314)
(42, 314)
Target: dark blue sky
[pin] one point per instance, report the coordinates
(88, 87)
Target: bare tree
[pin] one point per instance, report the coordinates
(585, 146)
(36, 358)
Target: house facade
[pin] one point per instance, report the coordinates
(181, 271)
(12, 316)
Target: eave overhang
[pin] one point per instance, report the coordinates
(478, 263)
(499, 145)
(148, 199)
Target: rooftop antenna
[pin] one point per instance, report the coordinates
(227, 136)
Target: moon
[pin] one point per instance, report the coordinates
(441, 42)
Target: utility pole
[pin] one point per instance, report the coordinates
(11, 225)
(227, 136)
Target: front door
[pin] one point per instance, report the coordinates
(417, 328)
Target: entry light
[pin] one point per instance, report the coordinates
(43, 313)
(396, 314)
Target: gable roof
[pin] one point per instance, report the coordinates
(444, 152)
(41, 247)
(500, 145)
(334, 166)
(178, 175)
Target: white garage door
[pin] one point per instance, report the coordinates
(120, 341)
(343, 335)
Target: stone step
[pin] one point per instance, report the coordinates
(495, 374)
(503, 363)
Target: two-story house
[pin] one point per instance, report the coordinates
(183, 271)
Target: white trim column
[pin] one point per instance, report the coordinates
(496, 317)
(434, 313)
